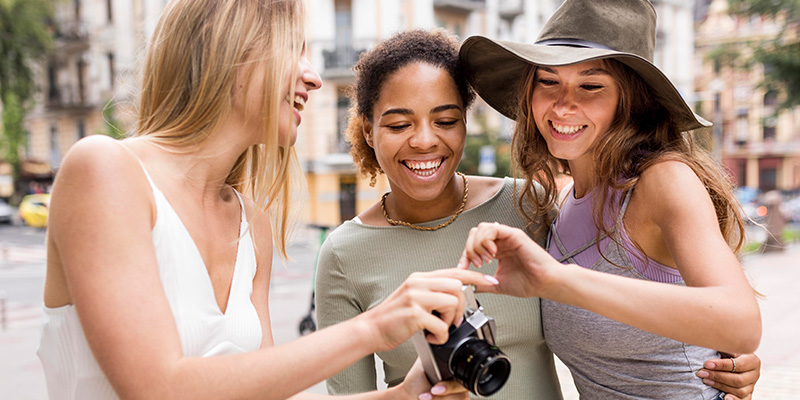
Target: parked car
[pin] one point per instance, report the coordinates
(34, 209)
(5, 212)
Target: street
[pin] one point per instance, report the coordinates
(22, 258)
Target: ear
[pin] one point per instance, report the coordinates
(366, 130)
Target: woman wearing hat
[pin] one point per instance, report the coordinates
(649, 231)
(408, 122)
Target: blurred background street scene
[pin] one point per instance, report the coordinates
(69, 70)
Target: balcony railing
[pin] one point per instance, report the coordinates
(341, 58)
(71, 30)
(61, 97)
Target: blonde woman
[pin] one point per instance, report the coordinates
(159, 248)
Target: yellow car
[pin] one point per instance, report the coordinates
(34, 209)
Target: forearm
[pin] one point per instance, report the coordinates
(269, 373)
(697, 315)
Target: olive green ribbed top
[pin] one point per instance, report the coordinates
(360, 265)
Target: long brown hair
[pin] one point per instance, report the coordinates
(641, 134)
(196, 52)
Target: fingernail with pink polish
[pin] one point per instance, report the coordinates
(702, 374)
(425, 396)
(491, 279)
(438, 389)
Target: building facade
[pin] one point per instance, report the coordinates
(759, 146)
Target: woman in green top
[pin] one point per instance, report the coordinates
(408, 121)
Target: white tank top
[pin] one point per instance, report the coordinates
(71, 370)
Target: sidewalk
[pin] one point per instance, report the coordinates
(775, 275)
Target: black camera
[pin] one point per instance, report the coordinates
(470, 355)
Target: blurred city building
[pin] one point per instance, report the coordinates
(90, 79)
(758, 144)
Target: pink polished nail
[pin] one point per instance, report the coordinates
(491, 279)
(438, 389)
(425, 396)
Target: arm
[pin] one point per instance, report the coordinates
(717, 295)
(336, 302)
(113, 280)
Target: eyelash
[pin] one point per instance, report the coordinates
(589, 87)
(398, 128)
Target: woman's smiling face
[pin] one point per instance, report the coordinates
(573, 106)
(417, 130)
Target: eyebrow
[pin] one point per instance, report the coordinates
(588, 72)
(406, 111)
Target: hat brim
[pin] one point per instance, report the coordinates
(496, 69)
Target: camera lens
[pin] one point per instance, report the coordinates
(480, 367)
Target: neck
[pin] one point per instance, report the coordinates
(201, 168)
(583, 177)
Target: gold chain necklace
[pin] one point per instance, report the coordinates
(428, 228)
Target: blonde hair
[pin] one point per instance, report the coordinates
(189, 77)
(642, 133)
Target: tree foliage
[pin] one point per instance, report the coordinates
(24, 38)
(781, 55)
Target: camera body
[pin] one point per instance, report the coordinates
(470, 355)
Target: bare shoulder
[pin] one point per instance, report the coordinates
(669, 185)
(98, 175)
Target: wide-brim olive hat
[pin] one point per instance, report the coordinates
(579, 31)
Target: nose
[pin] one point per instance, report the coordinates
(309, 75)
(423, 138)
(564, 103)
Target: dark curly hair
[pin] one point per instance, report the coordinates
(436, 47)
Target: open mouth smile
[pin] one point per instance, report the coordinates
(423, 168)
(567, 129)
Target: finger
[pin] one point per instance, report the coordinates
(447, 387)
(486, 235)
(469, 251)
(739, 385)
(484, 283)
(438, 330)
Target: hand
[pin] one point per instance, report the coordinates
(410, 307)
(524, 269)
(416, 386)
(740, 384)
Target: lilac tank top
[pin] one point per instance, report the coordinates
(608, 359)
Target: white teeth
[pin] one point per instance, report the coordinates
(567, 129)
(299, 102)
(424, 168)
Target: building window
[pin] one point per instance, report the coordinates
(80, 128)
(55, 154)
(771, 98)
(741, 173)
(342, 106)
(81, 83)
(52, 83)
(767, 179)
(741, 128)
(111, 71)
(769, 128)
(347, 197)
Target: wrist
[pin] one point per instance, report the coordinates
(367, 330)
(556, 285)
